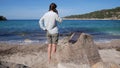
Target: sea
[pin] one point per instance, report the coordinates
(17, 31)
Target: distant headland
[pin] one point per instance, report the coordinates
(105, 14)
(2, 18)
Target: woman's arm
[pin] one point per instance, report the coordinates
(41, 23)
(58, 18)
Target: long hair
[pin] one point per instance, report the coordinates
(53, 7)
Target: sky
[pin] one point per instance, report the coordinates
(34, 9)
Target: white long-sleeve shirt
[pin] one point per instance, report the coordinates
(48, 22)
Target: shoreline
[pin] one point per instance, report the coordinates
(34, 55)
(88, 19)
(44, 40)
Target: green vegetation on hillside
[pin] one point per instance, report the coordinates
(102, 14)
(2, 18)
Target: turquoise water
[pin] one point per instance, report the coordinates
(29, 29)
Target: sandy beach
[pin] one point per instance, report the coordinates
(35, 55)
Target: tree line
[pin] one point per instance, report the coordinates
(101, 14)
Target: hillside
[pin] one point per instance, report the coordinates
(2, 18)
(113, 13)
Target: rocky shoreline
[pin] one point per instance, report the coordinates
(85, 53)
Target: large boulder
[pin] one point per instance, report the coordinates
(82, 52)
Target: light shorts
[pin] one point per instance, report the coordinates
(52, 38)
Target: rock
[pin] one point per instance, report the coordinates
(11, 65)
(34, 56)
(71, 65)
(115, 43)
(105, 65)
(110, 55)
(2, 18)
(83, 51)
(108, 45)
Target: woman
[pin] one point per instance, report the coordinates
(48, 23)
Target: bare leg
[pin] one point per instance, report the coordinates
(53, 48)
(49, 52)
